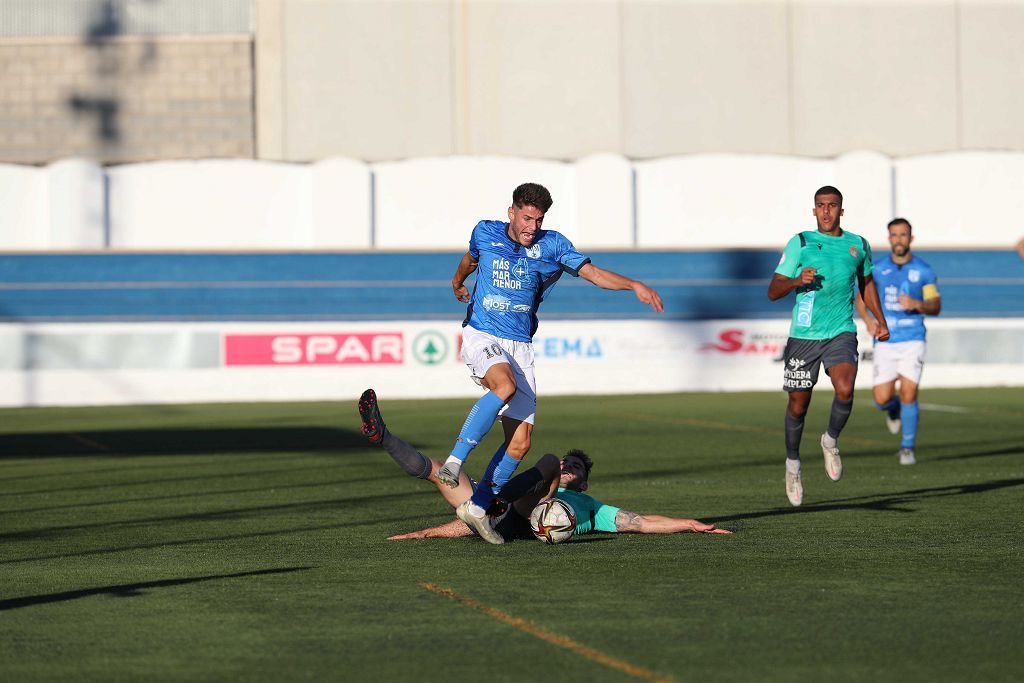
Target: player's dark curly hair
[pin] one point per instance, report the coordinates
(532, 194)
(583, 457)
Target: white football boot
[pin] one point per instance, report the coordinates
(794, 487)
(482, 525)
(833, 463)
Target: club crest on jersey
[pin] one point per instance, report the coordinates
(533, 251)
(854, 252)
(914, 275)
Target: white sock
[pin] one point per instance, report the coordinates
(827, 440)
(792, 466)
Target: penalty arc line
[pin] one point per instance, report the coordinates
(547, 636)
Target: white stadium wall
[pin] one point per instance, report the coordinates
(434, 203)
(238, 204)
(962, 199)
(643, 79)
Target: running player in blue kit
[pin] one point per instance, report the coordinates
(516, 264)
(909, 291)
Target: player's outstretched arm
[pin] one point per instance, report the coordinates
(608, 279)
(466, 266)
(631, 522)
(453, 529)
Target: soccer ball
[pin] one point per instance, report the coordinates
(552, 521)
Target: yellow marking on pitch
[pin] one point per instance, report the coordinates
(726, 426)
(549, 637)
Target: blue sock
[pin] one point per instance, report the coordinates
(478, 423)
(890, 407)
(910, 414)
(500, 469)
(488, 472)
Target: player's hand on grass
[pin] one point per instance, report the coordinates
(702, 528)
(648, 296)
(411, 535)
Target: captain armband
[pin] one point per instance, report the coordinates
(930, 292)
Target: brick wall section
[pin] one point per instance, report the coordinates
(126, 99)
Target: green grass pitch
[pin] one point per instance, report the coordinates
(248, 543)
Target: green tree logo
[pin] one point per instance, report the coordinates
(430, 347)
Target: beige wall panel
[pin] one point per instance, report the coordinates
(878, 76)
(705, 77)
(992, 73)
(539, 78)
(370, 80)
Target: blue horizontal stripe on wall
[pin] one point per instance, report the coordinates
(695, 285)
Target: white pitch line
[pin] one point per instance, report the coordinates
(938, 408)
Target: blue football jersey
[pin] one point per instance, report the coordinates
(915, 278)
(512, 280)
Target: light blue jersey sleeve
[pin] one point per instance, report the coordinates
(570, 259)
(474, 241)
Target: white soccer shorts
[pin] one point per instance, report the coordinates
(481, 351)
(899, 359)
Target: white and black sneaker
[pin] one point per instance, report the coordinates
(448, 474)
(483, 525)
(907, 456)
(893, 420)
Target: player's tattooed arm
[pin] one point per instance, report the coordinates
(628, 522)
(631, 522)
(453, 529)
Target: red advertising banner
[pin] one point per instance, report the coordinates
(364, 348)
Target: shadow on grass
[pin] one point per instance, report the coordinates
(891, 502)
(131, 590)
(1017, 449)
(346, 505)
(417, 519)
(190, 495)
(179, 441)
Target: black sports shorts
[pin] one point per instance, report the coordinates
(803, 357)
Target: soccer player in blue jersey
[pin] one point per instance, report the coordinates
(516, 264)
(566, 478)
(909, 291)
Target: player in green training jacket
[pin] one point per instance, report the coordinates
(825, 267)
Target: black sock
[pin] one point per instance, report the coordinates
(408, 458)
(840, 414)
(794, 431)
(521, 484)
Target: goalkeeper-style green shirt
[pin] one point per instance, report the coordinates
(824, 309)
(591, 514)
